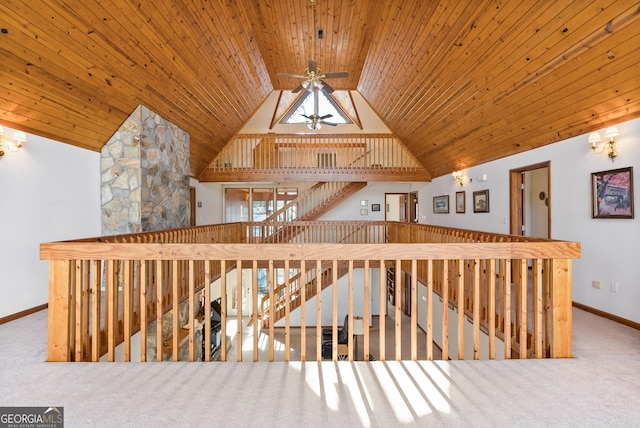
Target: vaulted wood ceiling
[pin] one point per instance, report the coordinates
(459, 82)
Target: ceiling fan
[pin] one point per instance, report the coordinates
(314, 78)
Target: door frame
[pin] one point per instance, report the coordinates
(516, 213)
(404, 204)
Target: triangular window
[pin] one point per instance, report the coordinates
(304, 106)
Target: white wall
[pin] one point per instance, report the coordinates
(50, 191)
(610, 247)
(373, 193)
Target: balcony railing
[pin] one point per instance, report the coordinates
(371, 157)
(105, 290)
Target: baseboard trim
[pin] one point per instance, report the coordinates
(24, 313)
(607, 315)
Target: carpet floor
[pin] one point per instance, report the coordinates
(599, 387)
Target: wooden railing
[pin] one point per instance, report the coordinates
(480, 276)
(315, 157)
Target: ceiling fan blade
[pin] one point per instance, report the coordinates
(297, 76)
(327, 88)
(313, 66)
(297, 89)
(328, 123)
(308, 117)
(336, 74)
(326, 116)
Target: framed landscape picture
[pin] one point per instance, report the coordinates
(460, 202)
(612, 193)
(441, 204)
(481, 201)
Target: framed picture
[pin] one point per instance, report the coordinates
(441, 204)
(481, 201)
(612, 193)
(375, 207)
(364, 211)
(460, 202)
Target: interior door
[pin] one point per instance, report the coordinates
(530, 201)
(396, 207)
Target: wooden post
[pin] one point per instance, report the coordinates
(367, 309)
(459, 282)
(318, 310)
(414, 310)
(383, 311)
(429, 310)
(287, 312)
(254, 307)
(96, 282)
(491, 306)
(59, 331)
(303, 311)
(560, 307)
(476, 309)
(399, 284)
(239, 292)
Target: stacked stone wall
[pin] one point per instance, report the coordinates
(145, 175)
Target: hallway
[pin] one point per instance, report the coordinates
(598, 387)
(295, 340)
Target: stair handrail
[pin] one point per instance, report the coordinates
(293, 202)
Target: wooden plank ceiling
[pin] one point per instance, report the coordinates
(459, 82)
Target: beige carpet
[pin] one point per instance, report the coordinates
(600, 387)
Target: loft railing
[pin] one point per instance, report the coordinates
(354, 157)
(104, 290)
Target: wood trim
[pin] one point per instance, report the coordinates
(607, 315)
(444, 251)
(23, 313)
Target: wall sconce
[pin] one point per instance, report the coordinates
(12, 145)
(457, 177)
(610, 146)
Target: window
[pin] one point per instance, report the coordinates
(304, 106)
(257, 204)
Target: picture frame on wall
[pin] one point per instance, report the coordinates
(612, 193)
(481, 201)
(375, 207)
(460, 202)
(441, 204)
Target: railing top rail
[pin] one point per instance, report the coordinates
(320, 137)
(439, 251)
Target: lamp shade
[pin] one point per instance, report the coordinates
(611, 132)
(594, 138)
(358, 326)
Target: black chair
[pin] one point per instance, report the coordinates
(215, 325)
(327, 338)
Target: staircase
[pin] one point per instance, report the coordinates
(295, 291)
(310, 205)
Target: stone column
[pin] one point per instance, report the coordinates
(145, 176)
